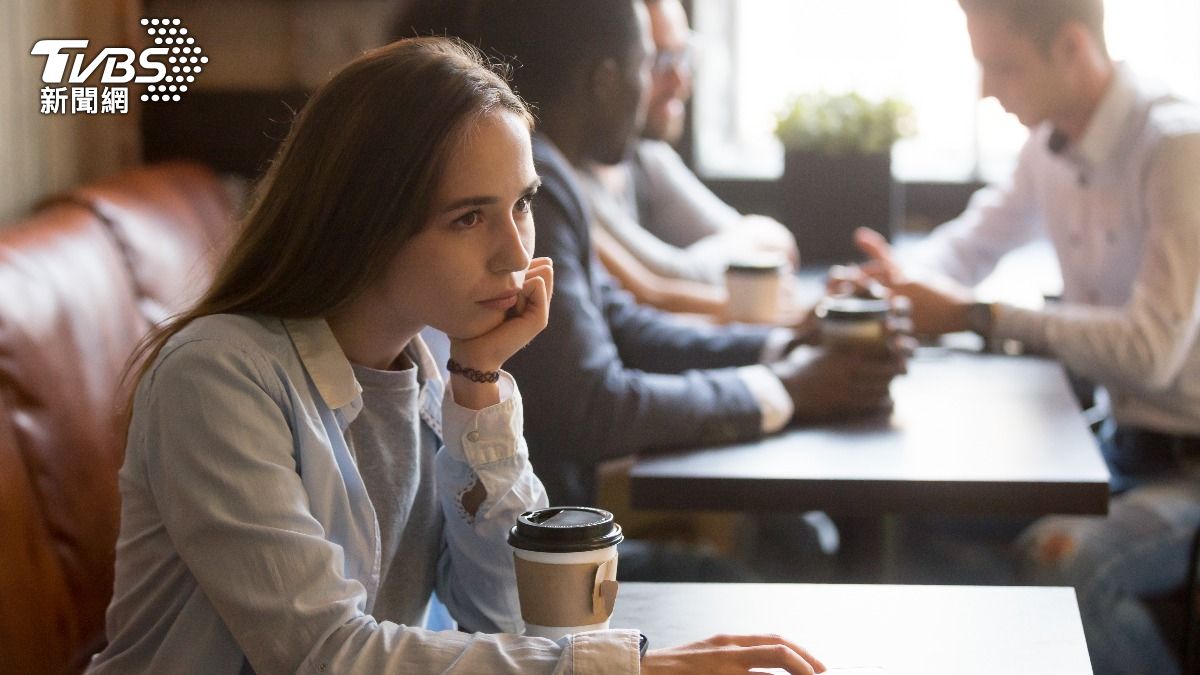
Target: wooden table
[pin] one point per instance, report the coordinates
(902, 630)
(971, 434)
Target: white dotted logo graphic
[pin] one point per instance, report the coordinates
(168, 68)
(185, 61)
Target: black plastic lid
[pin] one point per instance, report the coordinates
(854, 309)
(756, 267)
(565, 529)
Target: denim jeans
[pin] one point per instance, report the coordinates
(1142, 549)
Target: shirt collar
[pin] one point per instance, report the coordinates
(333, 376)
(325, 361)
(428, 372)
(1104, 130)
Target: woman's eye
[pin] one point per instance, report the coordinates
(467, 220)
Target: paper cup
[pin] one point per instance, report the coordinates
(753, 287)
(566, 565)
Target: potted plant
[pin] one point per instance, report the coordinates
(838, 169)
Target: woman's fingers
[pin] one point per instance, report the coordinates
(734, 654)
(772, 640)
(537, 300)
(774, 656)
(524, 321)
(543, 268)
(539, 268)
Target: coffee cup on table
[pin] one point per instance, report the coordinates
(753, 285)
(566, 564)
(853, 321)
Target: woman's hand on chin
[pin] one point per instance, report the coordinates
(489, 351)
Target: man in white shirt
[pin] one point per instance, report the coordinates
(1109, 174)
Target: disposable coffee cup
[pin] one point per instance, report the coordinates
(753, 286)
(850, 320)
(566, 563)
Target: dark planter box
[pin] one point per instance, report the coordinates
(825, 197)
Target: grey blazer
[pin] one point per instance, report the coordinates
(609, 377)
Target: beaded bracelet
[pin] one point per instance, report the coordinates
(483, 377)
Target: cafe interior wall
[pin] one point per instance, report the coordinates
(262, 52)
(266, 56)
(44, 154)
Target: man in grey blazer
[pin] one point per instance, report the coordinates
(608, 377)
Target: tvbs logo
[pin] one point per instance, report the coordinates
(167, 68)
(117, 61)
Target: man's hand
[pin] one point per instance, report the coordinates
(832, 383)
(881, 264)
(770, 235)
(939, 304)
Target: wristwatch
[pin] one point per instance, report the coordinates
(979, 318)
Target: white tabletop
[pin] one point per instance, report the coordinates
(902, 630)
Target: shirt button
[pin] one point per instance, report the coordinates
(473, 436)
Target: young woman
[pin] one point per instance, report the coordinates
(285, 504)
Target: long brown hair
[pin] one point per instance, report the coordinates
(352, 183)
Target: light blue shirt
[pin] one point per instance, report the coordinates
(248, 542)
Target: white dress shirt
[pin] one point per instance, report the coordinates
(1122, 209)
(249, 543)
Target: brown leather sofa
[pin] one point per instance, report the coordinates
(82, 280)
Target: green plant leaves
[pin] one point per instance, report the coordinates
(842, 124)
